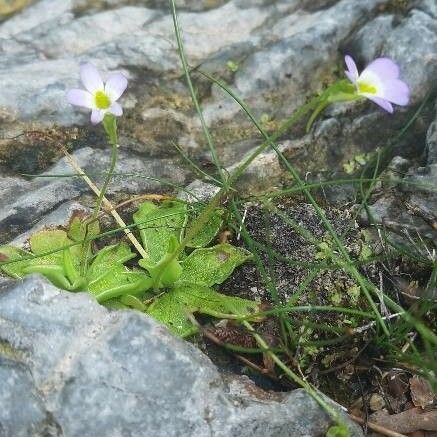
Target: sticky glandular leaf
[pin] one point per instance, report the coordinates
(15, 269)
(172, 307)
(205, 300)
(79, 229)
(168, 310)
(338, 431)
(52, 256)
(158, 224)
(107, 271)
(109, 257)
(53, 240)
(212, 265)
(208, 230)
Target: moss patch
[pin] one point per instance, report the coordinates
(34, 150)
(8, 7)
(8, 351)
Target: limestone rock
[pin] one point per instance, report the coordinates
(71, 367)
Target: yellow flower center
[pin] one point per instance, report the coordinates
(102, 100)
(366, 88)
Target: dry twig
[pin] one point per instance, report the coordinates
(106, 203)
(378, 428)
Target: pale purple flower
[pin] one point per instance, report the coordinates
(98, 96)
(379, 82)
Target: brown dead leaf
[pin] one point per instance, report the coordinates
(397, 384)
(408, 421)
(422, 394)
(396, 389)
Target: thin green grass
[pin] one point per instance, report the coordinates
(365, 184)
(349, 266)
(227, 183)
(161, 181)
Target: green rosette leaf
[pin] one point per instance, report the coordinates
(158, 225)
(108, 277)
(173, 307)
(14, 269)
(209, 230)
(212, 265)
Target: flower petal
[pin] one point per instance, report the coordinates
(91, 78)
(116, 109)
(352, 70)
(115, 86)
(384, 68)
(351, 77)
(97, 116)
(370, 79)
(385, 104)
(80, 98)
(396, 92)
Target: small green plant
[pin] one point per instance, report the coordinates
(232, 66)
(358, 162)
(167, 285)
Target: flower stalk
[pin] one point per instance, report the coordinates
(110, 126)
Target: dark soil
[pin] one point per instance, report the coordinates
(322, 346)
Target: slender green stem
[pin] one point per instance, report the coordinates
(110, 126)
(194, 166)
(215, 201)
(114, 157)
(432, 282)
(289, 308)
(322, 105)
(203, 217)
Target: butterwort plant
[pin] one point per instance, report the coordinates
(179, 270)
(168, 288)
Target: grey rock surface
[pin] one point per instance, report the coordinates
(409, 206)
(393, 36)
(431, 143)
(284, 52)
(70, 367)
(23, 203)
(198, 191)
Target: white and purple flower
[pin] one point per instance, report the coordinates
(98, 96)
(379, 82)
